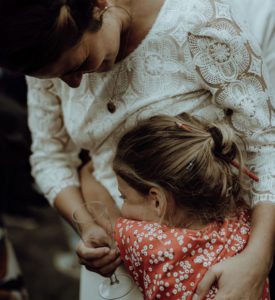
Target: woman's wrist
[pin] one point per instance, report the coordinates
(260, 247)
(67, 201)
(260, 256)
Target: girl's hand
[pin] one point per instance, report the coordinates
(241, 277)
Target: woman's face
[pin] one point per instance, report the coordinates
(135, 206)
(96, 52)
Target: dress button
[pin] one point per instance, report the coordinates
(111, 106)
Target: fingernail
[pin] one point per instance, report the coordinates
(195, 297)
(107, 250)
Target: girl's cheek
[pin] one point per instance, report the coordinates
(125, 211)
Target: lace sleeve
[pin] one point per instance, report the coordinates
(228, 62)
(54, 157)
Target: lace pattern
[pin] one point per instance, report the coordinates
(198, 57)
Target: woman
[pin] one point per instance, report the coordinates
(129, 60)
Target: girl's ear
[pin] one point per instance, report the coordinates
(158, 202)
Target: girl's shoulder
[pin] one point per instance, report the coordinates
(144, 233)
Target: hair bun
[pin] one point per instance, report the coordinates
(217, 137)
(225, 146)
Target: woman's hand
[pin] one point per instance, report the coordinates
(95, 253)
(241, 277)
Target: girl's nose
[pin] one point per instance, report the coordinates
(73, 80)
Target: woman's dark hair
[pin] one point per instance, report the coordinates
(185, 163)
(34, 33)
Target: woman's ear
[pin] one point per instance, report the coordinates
(101, 4)
(99, 8)
(158, 202)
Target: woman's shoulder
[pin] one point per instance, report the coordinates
(191, 12)
(42, 84)
(192, 16)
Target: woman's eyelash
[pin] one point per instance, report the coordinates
(83, 66)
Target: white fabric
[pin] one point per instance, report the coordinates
(196, 58)
(173, 70)
(90, 281)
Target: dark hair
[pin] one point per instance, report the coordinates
(184, 163)
(34, 33)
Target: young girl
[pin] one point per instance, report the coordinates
(183, 211)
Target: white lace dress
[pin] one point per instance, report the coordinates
(198, 57)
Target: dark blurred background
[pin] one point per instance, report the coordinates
(42, 241)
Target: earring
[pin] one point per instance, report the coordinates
(104, 9)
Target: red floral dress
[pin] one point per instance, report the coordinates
(168, 262)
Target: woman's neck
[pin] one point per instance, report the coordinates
(143, 16)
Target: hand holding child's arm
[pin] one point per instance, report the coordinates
(97, 255)
(243, 276)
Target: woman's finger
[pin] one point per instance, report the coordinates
(210, 277)
(106, 270)
(105, 260)
(100, 262)
(110, 268)
(91, 253)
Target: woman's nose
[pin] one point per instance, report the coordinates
(73, 80)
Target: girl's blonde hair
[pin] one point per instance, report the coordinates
(187, 164)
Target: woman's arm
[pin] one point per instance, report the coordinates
(98, 259)
(248, 269)
(54, 158)
(228, 63)
(92, 190)
(55, 162)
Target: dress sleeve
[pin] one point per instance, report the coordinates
(54, 158)
(228, 62)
